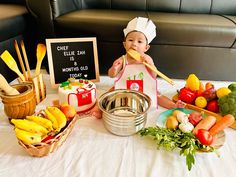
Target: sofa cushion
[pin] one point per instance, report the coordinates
(233, 19)
(193, 29)
(172, 28)
(12, 20)
(88, 23)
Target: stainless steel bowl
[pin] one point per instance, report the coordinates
(124, 111)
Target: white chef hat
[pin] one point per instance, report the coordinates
(144, 25)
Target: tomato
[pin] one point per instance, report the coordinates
(194, 118)
(186, 95)
(213, 106)
(204, 137)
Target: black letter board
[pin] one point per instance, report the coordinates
(72, 58)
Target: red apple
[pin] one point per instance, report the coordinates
(68, 110)
(213, 106)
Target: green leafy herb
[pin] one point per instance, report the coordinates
(170, 139)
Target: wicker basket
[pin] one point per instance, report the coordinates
(51, 145)
(21, 105)
(39, 87)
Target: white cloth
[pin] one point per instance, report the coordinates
(91, 151)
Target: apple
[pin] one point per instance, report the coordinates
(213, 106)
(68, 110)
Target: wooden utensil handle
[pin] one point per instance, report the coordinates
(25, 58)
(20, 59)
(6, 87)
(38, 66)
(159, 73)
(135, 55)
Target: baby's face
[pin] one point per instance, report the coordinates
(137, 41)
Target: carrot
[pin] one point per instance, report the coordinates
(223, 123)
(205, 123)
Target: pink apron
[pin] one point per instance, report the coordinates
(137, 77)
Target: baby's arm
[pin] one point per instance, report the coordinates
(167, 103)
(115, 68)
(146, 58)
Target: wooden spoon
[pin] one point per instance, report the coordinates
(135, 55)
(6, 87)
(40, 53)
(11, 63)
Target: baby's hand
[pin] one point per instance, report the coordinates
(180, 104)
(117, 65)
(116, 68)
(147, 59)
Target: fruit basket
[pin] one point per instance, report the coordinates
(37, 133)
(44, 148)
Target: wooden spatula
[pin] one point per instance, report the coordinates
(40, 53)
(135, 55)
(6, 87)
(11, 63)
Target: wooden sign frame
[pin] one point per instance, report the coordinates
(62, 41)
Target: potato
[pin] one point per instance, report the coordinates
(172, 122)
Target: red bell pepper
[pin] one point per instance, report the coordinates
(186, 95)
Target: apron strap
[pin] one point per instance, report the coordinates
(124, 61)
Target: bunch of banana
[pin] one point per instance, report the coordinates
(57, 117)
(29, 131)
(33, 129)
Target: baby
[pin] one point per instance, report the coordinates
(132, 74)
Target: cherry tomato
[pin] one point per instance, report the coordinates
(186, 95)
(204, 137)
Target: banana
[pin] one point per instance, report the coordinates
(52, 118)
(59, 115)
(29, 126)
(41, 121)
(28, 137)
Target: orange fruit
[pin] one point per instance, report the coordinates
(201, 102)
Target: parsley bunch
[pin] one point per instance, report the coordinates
(170, 139)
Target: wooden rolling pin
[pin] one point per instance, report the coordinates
(6, 87)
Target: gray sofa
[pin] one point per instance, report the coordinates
(193, 36)
(16, 24)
